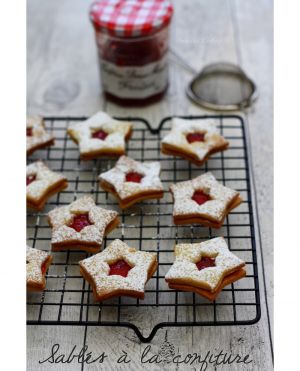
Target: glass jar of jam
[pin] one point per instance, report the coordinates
(132, 40)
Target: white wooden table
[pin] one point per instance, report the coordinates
(63, 80)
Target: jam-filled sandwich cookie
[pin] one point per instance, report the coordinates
(131, 181)
(41, 184)
(36, 135)
(37, 263)
(204, 268)
(81, 225)
(203, 200)
(100, 135)
(119, 270)
(194, 140)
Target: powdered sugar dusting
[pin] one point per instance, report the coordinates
(98, 268)
(115, 141)
(34, 261)
(117, 177)
(215, 208)
(45, 179)
(61, 217)
(39, 135)
(187, 255)
(181, 127)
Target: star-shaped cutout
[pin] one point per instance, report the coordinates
(36, 135)
(203, 200)
(194, 140)
(81, 225)
(205, 268)
(100, 135)
(132, 181)
(119, 270)
(41, 184)
(37, 263)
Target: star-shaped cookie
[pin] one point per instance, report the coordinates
(132, 181)
(41, 184)
(119, 270)
(204, 268)
(36, 135)
(203, 200)
(100, 135)
(37, 263)
(195, 140)
(81, 225)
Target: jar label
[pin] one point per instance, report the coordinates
(135, 81)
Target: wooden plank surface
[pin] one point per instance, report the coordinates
(63, 79)
(254, 46)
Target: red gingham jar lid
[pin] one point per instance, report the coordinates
(131, 18)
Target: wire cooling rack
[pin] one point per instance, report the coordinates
(68, 299)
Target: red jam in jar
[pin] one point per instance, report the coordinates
(132, 40)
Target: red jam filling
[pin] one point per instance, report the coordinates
(43, 267)
(134, 177)
(99, 134)
(79, 222)
(205, 262)
(195, 137)
(200, 197)
(120, 268)
(30, 179)
(29, 132)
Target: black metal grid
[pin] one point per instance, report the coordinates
(68, 299)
